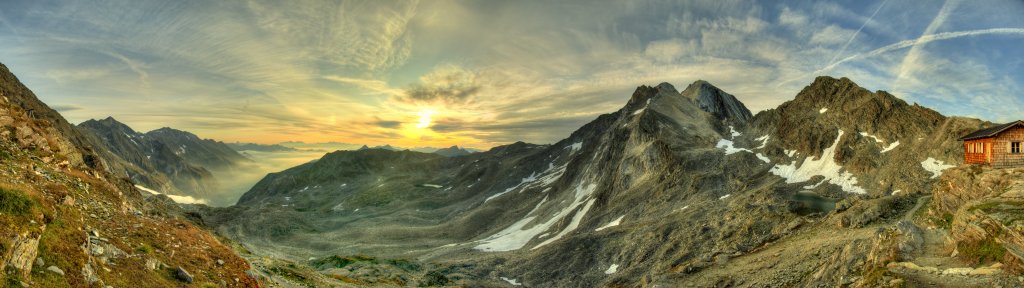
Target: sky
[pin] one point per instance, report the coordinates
(487, 73)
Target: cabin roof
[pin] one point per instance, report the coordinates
(991, 131)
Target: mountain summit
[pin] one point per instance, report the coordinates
(717, 102)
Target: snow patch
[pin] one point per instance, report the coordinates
(638, 111)
(865, 134)
(512, 281)
(176, 198)
(574, 147)
(611, 224)
(815, 185)
(790, 153)
(520, 233)
(612, 269)
(733, 132)
(935, 166)
(879, 140)
(822, 111)
(547, 177)
(723, 197)
(764, 141)
(730, 149)
(763, 158)
(891, 146)
(824, 166)
(432, 186)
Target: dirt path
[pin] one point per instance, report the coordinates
(920, 202)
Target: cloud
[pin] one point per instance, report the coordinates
(388, 124)
(65, 107)
(447, 84)
(832, 35)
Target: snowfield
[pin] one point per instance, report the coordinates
(176, 198)
(825, 166)
(935, 166)
(520, 233)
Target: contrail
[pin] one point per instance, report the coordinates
(911, 42)
(858, 32)
(915, 50)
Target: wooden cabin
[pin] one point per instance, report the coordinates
(999, 146)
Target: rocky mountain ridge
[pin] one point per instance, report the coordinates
(67, 220)
(165, 159)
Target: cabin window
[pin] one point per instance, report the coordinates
(1015, 147)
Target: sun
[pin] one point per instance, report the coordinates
(424, 119)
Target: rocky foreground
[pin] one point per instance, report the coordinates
(67, 221)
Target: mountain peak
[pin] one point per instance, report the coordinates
(837, 93)
(109, 124)
(717, 102)
(665, 87)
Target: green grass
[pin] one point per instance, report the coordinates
(984, 251)
(144, 249)
(15, 202)
(344, 261)
(985, 206)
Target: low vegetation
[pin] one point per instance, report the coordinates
(983, 251)
(15, 202)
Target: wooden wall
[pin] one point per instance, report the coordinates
(1001, 156)
(981, 157)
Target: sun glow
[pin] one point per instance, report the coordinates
(424, 119)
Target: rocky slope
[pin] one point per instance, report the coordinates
(168, 160)
(65, 221)
(665, 191)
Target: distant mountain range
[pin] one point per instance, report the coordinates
(165, 159)
(336, 146)
(260, 147)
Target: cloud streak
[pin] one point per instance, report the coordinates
(910, 43)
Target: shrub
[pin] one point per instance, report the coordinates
(14, 202)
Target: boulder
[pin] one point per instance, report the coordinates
(55, 270)
(182, 275)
